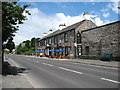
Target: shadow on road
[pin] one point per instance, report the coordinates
(12, 70)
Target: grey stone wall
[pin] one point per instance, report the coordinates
(70, 42)
(103, 39)
(61, 42)
(87, 24)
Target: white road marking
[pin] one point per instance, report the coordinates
(47, 64)
(76, 63)
(103, 67)
(37, 61)
(110, 80)
(97, 66)
(71, 70)
(32, 60)
(28, 79)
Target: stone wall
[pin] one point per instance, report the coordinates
(100, 40)
(70, 42)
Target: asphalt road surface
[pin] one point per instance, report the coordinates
(43, 73)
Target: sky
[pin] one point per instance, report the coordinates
(48, 15)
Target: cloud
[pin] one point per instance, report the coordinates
(106, 15)
(107, 21)
(38, 23)
(104, 10)
(98, 21)
(114, 7)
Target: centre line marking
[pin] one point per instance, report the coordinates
(110, 80)
(47, 64)
(71, 70)
(76, 63)
(36, 61)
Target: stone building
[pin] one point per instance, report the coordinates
(81, 40)
(100, 40)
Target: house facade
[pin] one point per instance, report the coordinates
(100, 40)
(81, 40)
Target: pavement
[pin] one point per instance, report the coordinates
(114, 64)
(14, 77)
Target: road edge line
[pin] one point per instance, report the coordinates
(110, 80)
(28, 79)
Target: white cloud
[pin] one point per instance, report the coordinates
(106, 15)
(114, 7)
(104, 10)
(38, 23)
(107, 21)
(98, 21)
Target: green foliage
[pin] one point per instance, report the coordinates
(29, 47)
(12, 15)
(29, 52)
(6, 51)
(10, 44)
(27, 43)
(33, 42)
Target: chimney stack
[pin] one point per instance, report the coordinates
(44, 34)
(86, 16)
(50, 31)
(61, 26)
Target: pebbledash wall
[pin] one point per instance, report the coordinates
(99, 40)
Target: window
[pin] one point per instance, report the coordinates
(40, 43)
(87, 50)
(54, 40)
(65, 37)
(50, 41)
(78, 38)
(45, 42)
(60, 39)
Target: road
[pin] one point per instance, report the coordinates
(45, 73)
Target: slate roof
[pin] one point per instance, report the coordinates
(100, 26)
(65, 29)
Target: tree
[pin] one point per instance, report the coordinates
(10, 44)
(27, 43)
(12, 15)
(29, 47)
(33, 42)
